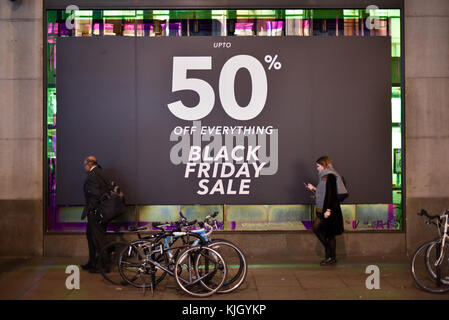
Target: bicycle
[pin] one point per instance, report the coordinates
(236, 264)
(234, 257)
(107, 261)
(433, 275)
(143, 260)
(139, 249)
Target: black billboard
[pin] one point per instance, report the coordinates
(232, 120)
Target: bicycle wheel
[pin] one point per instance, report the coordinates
(438, 268)
(236, 265)
(135, 268)
(421, 274)
(204, 283)
(108, 260)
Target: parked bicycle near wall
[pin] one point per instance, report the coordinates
(237, 267)
(430, 262)
(135, 268)
(109, 256)
(198, 269)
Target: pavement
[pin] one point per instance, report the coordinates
(280, 278)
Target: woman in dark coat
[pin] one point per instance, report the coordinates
(329, 220)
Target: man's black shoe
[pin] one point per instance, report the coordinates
(87, 266)
(94, 270)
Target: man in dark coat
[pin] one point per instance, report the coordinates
(95, 186)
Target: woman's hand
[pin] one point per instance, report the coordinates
(327, 213)
(311, 187)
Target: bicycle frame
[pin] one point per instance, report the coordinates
(176, 234)
(158, 265)
(198, 264)
(444, 238)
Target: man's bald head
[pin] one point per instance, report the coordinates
(90, 162)
(91, 158)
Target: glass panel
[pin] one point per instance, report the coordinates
(377, 217)
(349, 217)
(290, 22)
(267, 217)
(396, 105)
(200, 212)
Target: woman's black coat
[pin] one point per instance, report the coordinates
(334, 223)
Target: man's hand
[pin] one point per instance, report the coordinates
(327, 213)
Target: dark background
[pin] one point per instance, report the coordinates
(332, 96)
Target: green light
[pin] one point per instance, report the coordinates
(396, 138)
(351, 13)
(161, 17)
(385, 13)
(161, 12)
(83, 13)
(219, 12)
(396, 105)
(265, 12)
(256, 13)
(294, 12)
(119, 13)
(394, 13)
(395, 24)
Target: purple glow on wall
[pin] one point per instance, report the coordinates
(176, 26)
(244, 26)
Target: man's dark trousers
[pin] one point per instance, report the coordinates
(96, 237)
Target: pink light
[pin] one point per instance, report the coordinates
(108, 27)
(268, 24)
(50, 27)
(97, 28)
(274, 26)
(244, 26)
(129, 27)
(306, 24)
(278, 25)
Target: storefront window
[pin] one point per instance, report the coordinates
(181, 23)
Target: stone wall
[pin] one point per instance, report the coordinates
(21, 128)
(427, 114)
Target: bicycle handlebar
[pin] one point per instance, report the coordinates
(182, 216)
(206, 223)
(430, 218)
